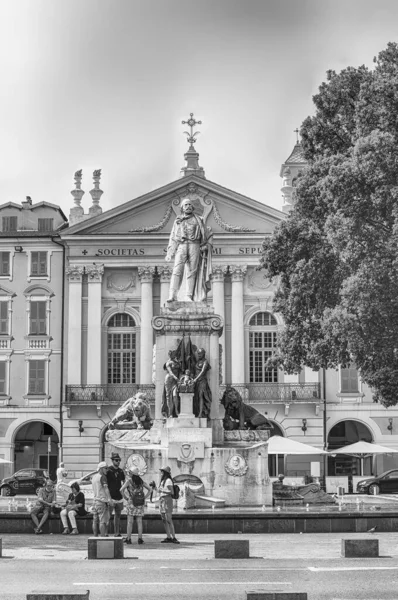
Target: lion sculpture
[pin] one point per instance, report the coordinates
(134, 411)
(239, 415)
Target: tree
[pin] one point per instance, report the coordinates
(336, 254)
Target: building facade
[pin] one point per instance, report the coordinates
(116, 280)
(31, 292)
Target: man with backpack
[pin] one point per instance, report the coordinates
(116, 477)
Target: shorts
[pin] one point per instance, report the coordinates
(39, 508)
(166, 504)
(117, 507)
(101, 513)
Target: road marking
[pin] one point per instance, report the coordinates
(184, 583)
(316, 569)
(246, 569)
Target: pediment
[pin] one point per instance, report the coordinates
(154, 213)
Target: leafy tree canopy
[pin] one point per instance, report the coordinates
(336, 254)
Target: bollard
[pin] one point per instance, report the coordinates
(1, 547)
(72, 595)
(260, 595)
(360, 548)
(231, 549)
(105, 547)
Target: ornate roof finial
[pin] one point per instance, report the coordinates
(297, 131)
(191, 123)
(96, 194)
(78, 193)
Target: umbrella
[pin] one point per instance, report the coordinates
(281, 445)
(363, 449)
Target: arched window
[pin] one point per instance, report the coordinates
(121, 349)
(262, 342)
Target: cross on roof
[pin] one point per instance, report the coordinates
(191, 123)
(297, 131)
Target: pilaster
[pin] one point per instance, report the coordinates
(238, 273)
(146, 275)
(94, 277)
(74, 274)
(165, 276)
(219, 272)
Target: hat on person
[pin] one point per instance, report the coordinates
(166, 469)
(115, 455)
(134, 471)
(101, 465)
(49, 482)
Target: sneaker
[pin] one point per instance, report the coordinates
(66, 531)
(127, 541)
(140, 541)
(38, 531)
(117, 535)
(174, 541)
(166, 541)
(74, 532)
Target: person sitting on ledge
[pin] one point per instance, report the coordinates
(44, 503)
(74, 506)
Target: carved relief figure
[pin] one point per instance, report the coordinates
(190, 245)
(186, 383)
(236, 466)
(171, 398)
(202, 393)
(239, 415)
(136, 411)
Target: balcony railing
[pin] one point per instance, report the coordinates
(267, 393)
(107, 393)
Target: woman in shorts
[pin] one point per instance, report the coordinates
(135, 491)
(165, 490)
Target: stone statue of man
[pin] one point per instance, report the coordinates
(191, 244)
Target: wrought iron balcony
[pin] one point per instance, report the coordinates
(116, 393)
(269, 393)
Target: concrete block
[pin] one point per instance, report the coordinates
(1, 547)
(360, 548)
(231, 549)
(260, 595)
(105, 547)
(72, 595)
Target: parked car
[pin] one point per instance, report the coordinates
(386, 483)
(25, 481)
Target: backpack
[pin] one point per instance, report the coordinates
(176, 491)
(138, 496)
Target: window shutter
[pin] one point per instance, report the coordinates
(3, 317)
(38, 318)
(2, 377)
(36, 376)
(4, 263)
(38, 264)
(10, 223)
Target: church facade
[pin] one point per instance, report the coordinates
(116, 280)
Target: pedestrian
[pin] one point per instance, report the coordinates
(165, 490)
(75, 505)
(102, 501)
(116, 477)
(44, 503)
(61, 472)
(133, 491)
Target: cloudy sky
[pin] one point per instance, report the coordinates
(105, 84)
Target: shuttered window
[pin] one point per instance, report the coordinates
(45, 224)
(4, 329)
(38, 264)
(4, 263)
(38, 317)
(10, 223)
(2, 377)
(349, 380)
(36, 377)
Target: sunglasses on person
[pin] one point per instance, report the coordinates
(116, 459)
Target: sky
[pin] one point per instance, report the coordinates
(105, 84)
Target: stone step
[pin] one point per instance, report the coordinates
(65, 595)
(360, 548)
(260, 595)
(105, 547)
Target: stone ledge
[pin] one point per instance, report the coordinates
(260, 595)
(231, 549)
(360, 548)
(105, 547)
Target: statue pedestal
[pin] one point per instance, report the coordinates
(186, 401)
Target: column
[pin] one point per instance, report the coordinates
(165, 276)
(94, 277)
(219, 272)
(237, 328)
(146, 348)
(74, 274)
